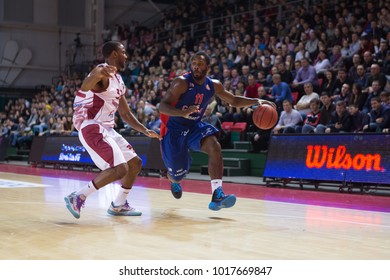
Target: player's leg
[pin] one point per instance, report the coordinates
(203, 139)
(107, 156)
(210, 146)
(176, 158)
(120, 206)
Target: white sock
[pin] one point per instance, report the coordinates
(215, 184)
(87, 190)
(121, 197)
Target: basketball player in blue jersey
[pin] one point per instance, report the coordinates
(182, 130)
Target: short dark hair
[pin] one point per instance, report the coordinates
(376, 98)
(205, 55)
(109, 47)
(315, 101)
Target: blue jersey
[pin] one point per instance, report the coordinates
(195, 95)
(182, 135)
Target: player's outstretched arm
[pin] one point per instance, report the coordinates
(233, 100)
(127, 116)
(178, 87)
(263, 101)
(98, 78)
(237, 101)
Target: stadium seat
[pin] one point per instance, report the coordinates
(295, 97)
(238, 131)
(239, 127)
(227, 126)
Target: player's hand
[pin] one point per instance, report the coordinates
(152, 134)
(192, 109)
(262, 101)
(105, 71)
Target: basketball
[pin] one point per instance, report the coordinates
(265, 117)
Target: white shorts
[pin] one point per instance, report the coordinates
(106, 147)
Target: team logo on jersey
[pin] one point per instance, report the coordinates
(207, 87)
(191, 85)
(208, 131)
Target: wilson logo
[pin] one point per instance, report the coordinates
(322, 156)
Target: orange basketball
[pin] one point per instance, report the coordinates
(265, 116)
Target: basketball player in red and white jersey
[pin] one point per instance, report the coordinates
(102, 94)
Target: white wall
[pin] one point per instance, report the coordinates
(43, 36)
(47, 41)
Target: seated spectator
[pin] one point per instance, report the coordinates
(303, 104)
(379, 116)
(288, 120)
(344, 94)
(328, 82)
(312, 45)
(327, 108)
(358, 118)
(57, 128)
(33, 119)
(336, 59)
(386, 64)
(358, 97)
(301, 52)
(340, 120)
(380, 55)
(385, 98)
(154, 121)
(342, 78)
(222, 111)
(361, 76)
(285, 74)
(376, 75)
(239, 114)
(280, 92)
(373, 91)
(306, 74)
(321, 64)
(368, 58)
(18, 132)
(3, 130)
(312, 118)
(9, 127)
(352, 72)
(25, 139)
(354, 46)
(42, 123)
(251, 88)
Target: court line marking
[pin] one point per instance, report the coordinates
(10, 184)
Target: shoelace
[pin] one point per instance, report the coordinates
(128, 207)
(176, 187)
(79, 202)
(219, 193)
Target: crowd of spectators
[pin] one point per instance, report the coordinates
(326, 66)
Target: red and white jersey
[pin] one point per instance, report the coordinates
(99, 106)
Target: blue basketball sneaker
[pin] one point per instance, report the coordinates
(220, 200)
(176, 190)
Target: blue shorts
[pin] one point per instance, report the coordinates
(177, 144)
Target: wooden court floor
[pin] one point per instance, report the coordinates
(266, 223)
